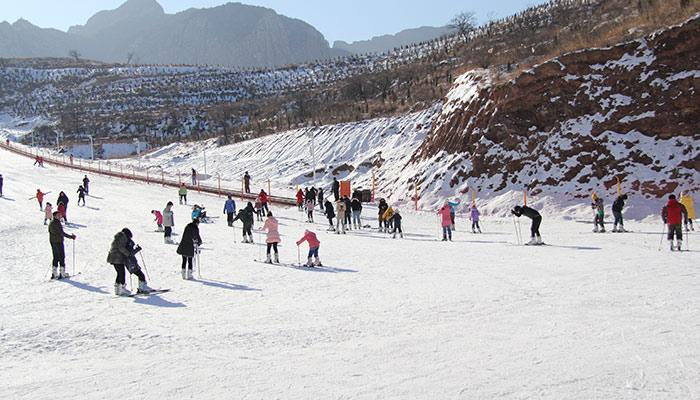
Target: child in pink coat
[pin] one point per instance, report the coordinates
(445, 213)
(158, 220)
(314, 244)
(273, 236)
(48, 212)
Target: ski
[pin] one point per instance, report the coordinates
(286, 265)
(151, 293)
(65, 277)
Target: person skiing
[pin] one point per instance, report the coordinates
(190, 240)
(336, 190)
(246, 182)
(62, 212)
(40, 198)
(198, 213)
(535, 238)
(230, 210)
(264, 199)
(86, 184)
(330, 214)
(453, 211)
(617, 207)
(56, 237)
(1, 182)
(313, 193)
(258, 209)
(182, 192)
(309, 210)
(474, 216)
(356, 207)
(687, 201)
(673, 215)
(348, 212)
(381, 209)
(158, 219)
(599, 215)
(446, 222)
(273, 237)
(245, 215)
(320, 198)
(168, 223)
(194, 177)
(340, 221)
(48, 212)
(396, 223)
(62, 198)
(314, 245)
(300, 199)
(388, 222)
(122, 256)
(81, 195)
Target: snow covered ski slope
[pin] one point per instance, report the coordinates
(604, 316)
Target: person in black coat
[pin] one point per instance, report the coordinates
(336, 189)
(246, 216)
(348, 212)
(81, 194)
(190, 238)
(396, 222)
(122, 255)
(617, 207)
(536, 218)
(330, 213)
(381, 209)
(320, 199)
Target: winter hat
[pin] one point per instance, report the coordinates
(127, 232)
(672, 197)
(623, 197)
(170, 203)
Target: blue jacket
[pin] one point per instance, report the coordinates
(453, 205)
(230, 207)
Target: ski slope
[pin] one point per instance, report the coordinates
(604, 316)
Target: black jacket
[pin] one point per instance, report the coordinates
(618, 204)
(356, 204)
(526, 211)
(122, 250)
(330, 213)
(336, 186)
(246, 216)
(382, 207)
(189, 237)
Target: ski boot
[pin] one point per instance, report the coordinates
(54, 273)
(121, 290)
(539, 240)
(532, 242)
(189, 274)
(679, 245)
(595, 229)
(621, 229)
(63, 274)
(671, 245)
(614, 229)
(277, 258)
(602, 229)
(317, 262)
(268, 260)
(143, 288)
(309, 263)
(184, 274)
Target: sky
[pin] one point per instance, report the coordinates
(347, 20)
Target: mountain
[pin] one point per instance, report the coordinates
(232, 34)
(380, 44)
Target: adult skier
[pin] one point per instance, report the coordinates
(40, 198)
(182, 192)
(396, 223)
(446, 222)
(1, 181)
(264, 199)
(273, 237)
(673, 215)
(245, 215)
(348, 211)
(687, 201)
(168, 223)
(194, 177)
(190, 239)
(230, 210)
(86, 184)
(340, 221)
(381, 209)
(313, 192)
(453, 211)
(330, 214)
(246, 182)
(617, 207)
(56, 237)
(474, 215)
(314, 245)
(356, 207)
(122, 255)
(81, 195)
(320, 198)
(599, 213)
(535, 237)
(336, 190)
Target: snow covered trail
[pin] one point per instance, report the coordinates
(591, 316)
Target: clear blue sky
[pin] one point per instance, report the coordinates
(348, 20)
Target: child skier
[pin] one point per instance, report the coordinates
(672, 215)
(617, 207)
(348, 212)
(56, 236)
(230, 210)
(474, 216)
(258, 209)
(158, 219)
(48, 212)
(453, 211)
(687, 201)
(387, 217)
(314, 244)
(122, 255)
(81, 195)
(396, 223)
(190, 239)
(535, 238)
(182, 192)
(40, 198)
(330, 214)
(599, 215)
(446, 222)
(273, 236)
(168, 223)
(309, 210)
(61, 212)
(246, 217)
(264, 199)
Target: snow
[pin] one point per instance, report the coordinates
(591, 316)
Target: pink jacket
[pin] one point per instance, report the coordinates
(48, 212)
(159, 217)
(311, 238)
(272, 227)
(445, 214)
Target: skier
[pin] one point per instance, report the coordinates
(1, 180)
(62, 198)
(40, 198)
(356, 207)
(453, 211)
(535, 238)
(687, 201)
(313, 192)
(229, 210)
(122, 255)
(446, 222)
(37, 161)
(48, 212)
(194, 177)
(382, 207)
(617, 207)
(86, 184)
(474, 216)
(330, 214)
(56, 236)
(599, 215)
(62, 212)
(348, 212)
(199, 213)
(246, 217)
(300, 199)
(246, 182)
(309, 210)
(273, 236)
(168, 223)
(340, 221)
(320, 198)
(396, 223)
(81, 195)
(673, 214)
(190, 239)
(183, 193)
(264, 199)
(158, 219)
(336, 189)
(258, 209)
(314, 244)
(388, 222)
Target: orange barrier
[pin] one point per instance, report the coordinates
(98, 170)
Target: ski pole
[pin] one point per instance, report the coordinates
(258, 244)
(233, 225)
(143, 261)
(298, 255)
(47, 271)
(199, 264)
(73, 273)
(515, 226)
(661, 241)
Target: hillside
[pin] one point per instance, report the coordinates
(385, 43)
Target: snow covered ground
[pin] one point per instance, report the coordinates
(591, 316)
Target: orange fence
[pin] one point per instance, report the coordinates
(143, 176)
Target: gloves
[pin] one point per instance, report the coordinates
(137, 249)
(73, 236)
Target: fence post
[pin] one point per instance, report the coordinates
(162, 176)
(416, 198)
(179, 178)
(148, 179)
(373, 187)
(199, 190)
(219, 179)
(269, 187)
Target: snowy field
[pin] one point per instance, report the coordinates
(604, 316)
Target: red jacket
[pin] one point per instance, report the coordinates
(300, 197)
(263, 197)
(672, 212)
(311, 238)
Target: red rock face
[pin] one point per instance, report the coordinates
(578, 121)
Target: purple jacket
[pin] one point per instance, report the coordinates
(475, 214)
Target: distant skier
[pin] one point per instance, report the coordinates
(356, 207)
(258, 209)
(330, 214)
(336, 190)
(387, 217)
(245, 215)
(300, 199)
(56, 237)
(168, 223)
(340, 213)
(273, 237)
(81, 195)
(246, 182)
(182, 192)
(474, 215)
(194, 177)
(348, 212)
(687, 201)
(230, 210)
(446, 222)
(48, 212)
(309, 210)
(40, 198)
(314, 245)
(62, 212)
(599, 213)
(320, 198)
(381, 209)
(1, 182)
(535, 237)
(158, 219)
(190, 239)
(453, 211)
(122, 255)
(617, 207)
(396, 223)
(673, 215)
(313, 192)
(86, 184)
(264, 199)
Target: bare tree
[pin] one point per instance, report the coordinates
(129, 57)
(464, 23)
(74, 55)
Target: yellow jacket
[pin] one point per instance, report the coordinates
(388, 214)
(687, 201)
